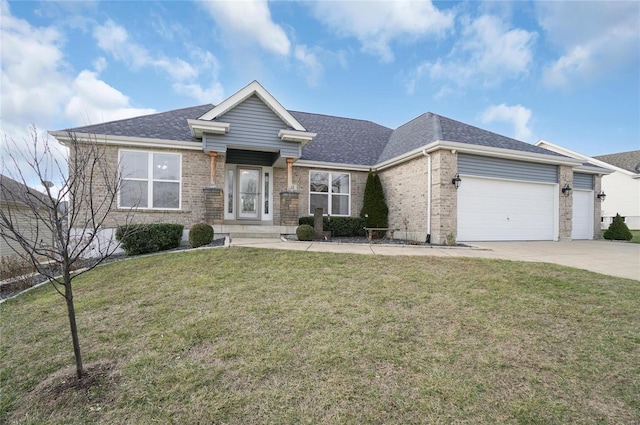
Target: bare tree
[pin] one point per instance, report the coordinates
(79, 192)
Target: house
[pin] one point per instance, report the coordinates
(250, 166)
(16, 200)
(621, 183)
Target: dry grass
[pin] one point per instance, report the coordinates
(241, 336)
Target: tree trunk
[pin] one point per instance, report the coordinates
(74, 328)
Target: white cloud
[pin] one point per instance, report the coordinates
(114, 39)
(249, 22)
(313, 69)
(378, 24)
(95, 101)
(40, 88)
(212, 94)
(487, 53)
(595, 37)
(516, 115)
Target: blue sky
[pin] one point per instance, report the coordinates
(567, 72)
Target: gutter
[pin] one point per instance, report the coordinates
(424, 152)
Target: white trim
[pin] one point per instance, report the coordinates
(198, 127)
(329, 193)
(253, 88)
(331, 165)
(302, 137)
(478, 150)
(596, 162)
(64, 138)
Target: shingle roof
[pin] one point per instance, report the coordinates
(629, 161)
(339, 140)
(170, 125)
(343, 140)
(14, 191)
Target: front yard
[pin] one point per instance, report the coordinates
(249, 336)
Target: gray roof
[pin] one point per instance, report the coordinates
(170, 125)
(343, 140)
(339, 140)
(16, 192)
(629, 161)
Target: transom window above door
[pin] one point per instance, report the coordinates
(330, 191)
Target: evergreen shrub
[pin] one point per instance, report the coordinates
(304, 232)
(618, 230)
(200, 234)
(138, 239)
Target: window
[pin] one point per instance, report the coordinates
(150, 180)
(329, 191)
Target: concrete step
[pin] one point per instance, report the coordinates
(253, 231)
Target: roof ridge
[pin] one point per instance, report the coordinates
(617, 153)
(337, 116)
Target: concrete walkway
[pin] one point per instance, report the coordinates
(611, 258)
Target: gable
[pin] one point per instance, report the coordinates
(252, 125)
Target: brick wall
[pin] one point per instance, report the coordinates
(195, 177)
(406, 192)
(597, 207)
(565, 177)
(444, 196)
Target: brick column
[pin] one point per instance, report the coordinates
(597, 207)
(444, 196)
(213, 205)
(289, 207)
(565, 177)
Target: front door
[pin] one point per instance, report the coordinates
(249, 193)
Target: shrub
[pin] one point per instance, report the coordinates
(200, 234)
(374, 208)
(618, 230)
(138, 239)
(304, 232)
(13, 266)
(339, 226)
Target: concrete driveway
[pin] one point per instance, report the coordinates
(611, 258)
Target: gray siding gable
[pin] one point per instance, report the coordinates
(253, 126)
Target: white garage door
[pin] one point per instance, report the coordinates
(506, 210)
(582, 227)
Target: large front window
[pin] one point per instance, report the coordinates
(150, 180)
(329, 191)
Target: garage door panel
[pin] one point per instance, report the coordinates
(582, 225)
(490, 209)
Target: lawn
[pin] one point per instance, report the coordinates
(636, 236)
(249, 336)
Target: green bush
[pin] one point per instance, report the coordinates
(374, 208)
(618, 230)
(138, 239)
(304, 232)
(200, 234)
(339, 226)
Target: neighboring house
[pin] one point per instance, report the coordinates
(621, 184)
(14, 200)
(248, 166)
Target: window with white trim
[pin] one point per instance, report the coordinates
(330, 191)
(150, 180)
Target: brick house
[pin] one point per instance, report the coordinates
(248, 166)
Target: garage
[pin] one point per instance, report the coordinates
(494, 208)
(583, 208)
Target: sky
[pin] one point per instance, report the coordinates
(564, 71)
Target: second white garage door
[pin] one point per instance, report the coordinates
(506, 210)
(582, 225)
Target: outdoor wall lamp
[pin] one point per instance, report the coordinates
(566, 190)
(601, 196)
(456, 180)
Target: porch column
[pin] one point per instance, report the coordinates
(214, 157)
(289, 173)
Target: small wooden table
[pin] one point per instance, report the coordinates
(370, 231)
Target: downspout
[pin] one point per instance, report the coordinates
(424, 152)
